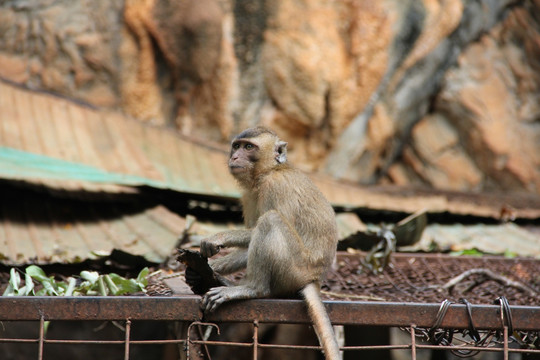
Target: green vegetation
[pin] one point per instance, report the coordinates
(37, 283)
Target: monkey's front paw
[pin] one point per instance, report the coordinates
(214, 298)
(210, 248)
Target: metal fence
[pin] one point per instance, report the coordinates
(463, 329)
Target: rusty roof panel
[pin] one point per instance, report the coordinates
(106, 141)
(20, 165)
(42, 229)
(410, 200)
(54, 127)
(493, 239)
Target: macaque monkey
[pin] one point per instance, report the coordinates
(290, 238)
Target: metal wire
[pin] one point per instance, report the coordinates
(487, 342)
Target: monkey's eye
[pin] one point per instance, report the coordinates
(236, 146)
(249, 146)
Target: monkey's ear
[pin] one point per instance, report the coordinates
(281, 152)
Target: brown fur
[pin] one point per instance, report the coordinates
(291, 234)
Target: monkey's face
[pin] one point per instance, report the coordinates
(244, 154)
(255, 151)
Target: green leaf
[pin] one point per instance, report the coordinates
(91, 276)
(61, 287)
(36, 273)
(111, 285)
(9, 291)
(142, 278)
(101, 286)
(125, 286)
(13, 283)
(71, 287)
(510, 254)
(42, 292)
(28, 287)
(14, 280)
(48, 283)
(28, 284)
(49, 287)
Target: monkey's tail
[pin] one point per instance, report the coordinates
(321, 321)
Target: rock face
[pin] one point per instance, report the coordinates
(488, 112)
(66, 47)
(443, 93)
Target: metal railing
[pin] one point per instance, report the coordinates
(494, 328)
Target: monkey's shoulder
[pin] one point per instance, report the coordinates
(285, 177)
(289, 184)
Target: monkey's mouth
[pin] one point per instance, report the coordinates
(235, 169)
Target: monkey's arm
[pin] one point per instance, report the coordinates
(230, 263)
(232, 238)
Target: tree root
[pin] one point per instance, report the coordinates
(492, 276)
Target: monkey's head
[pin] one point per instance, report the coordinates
(256, 151)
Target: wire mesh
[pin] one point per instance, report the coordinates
(197, 339)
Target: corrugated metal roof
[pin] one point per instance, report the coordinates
(18, 165)
(37, 227)
(487, 238)
(42, 124)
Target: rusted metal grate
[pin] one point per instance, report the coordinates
(421, 278)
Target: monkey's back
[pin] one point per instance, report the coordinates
(301, 204)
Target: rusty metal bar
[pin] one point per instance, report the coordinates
(505, 346)
(276, 346)
(128, 334)
(87, 342)
(376, 313)
(93, 342)
(15, 340)
(186, 308)
(100, 308)
(255, 339)
(412, 346)
(189, 341)
(41, 337)
(476, 348)
(371, 347)
(413, 342)
(365, 347)
(223, 343)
